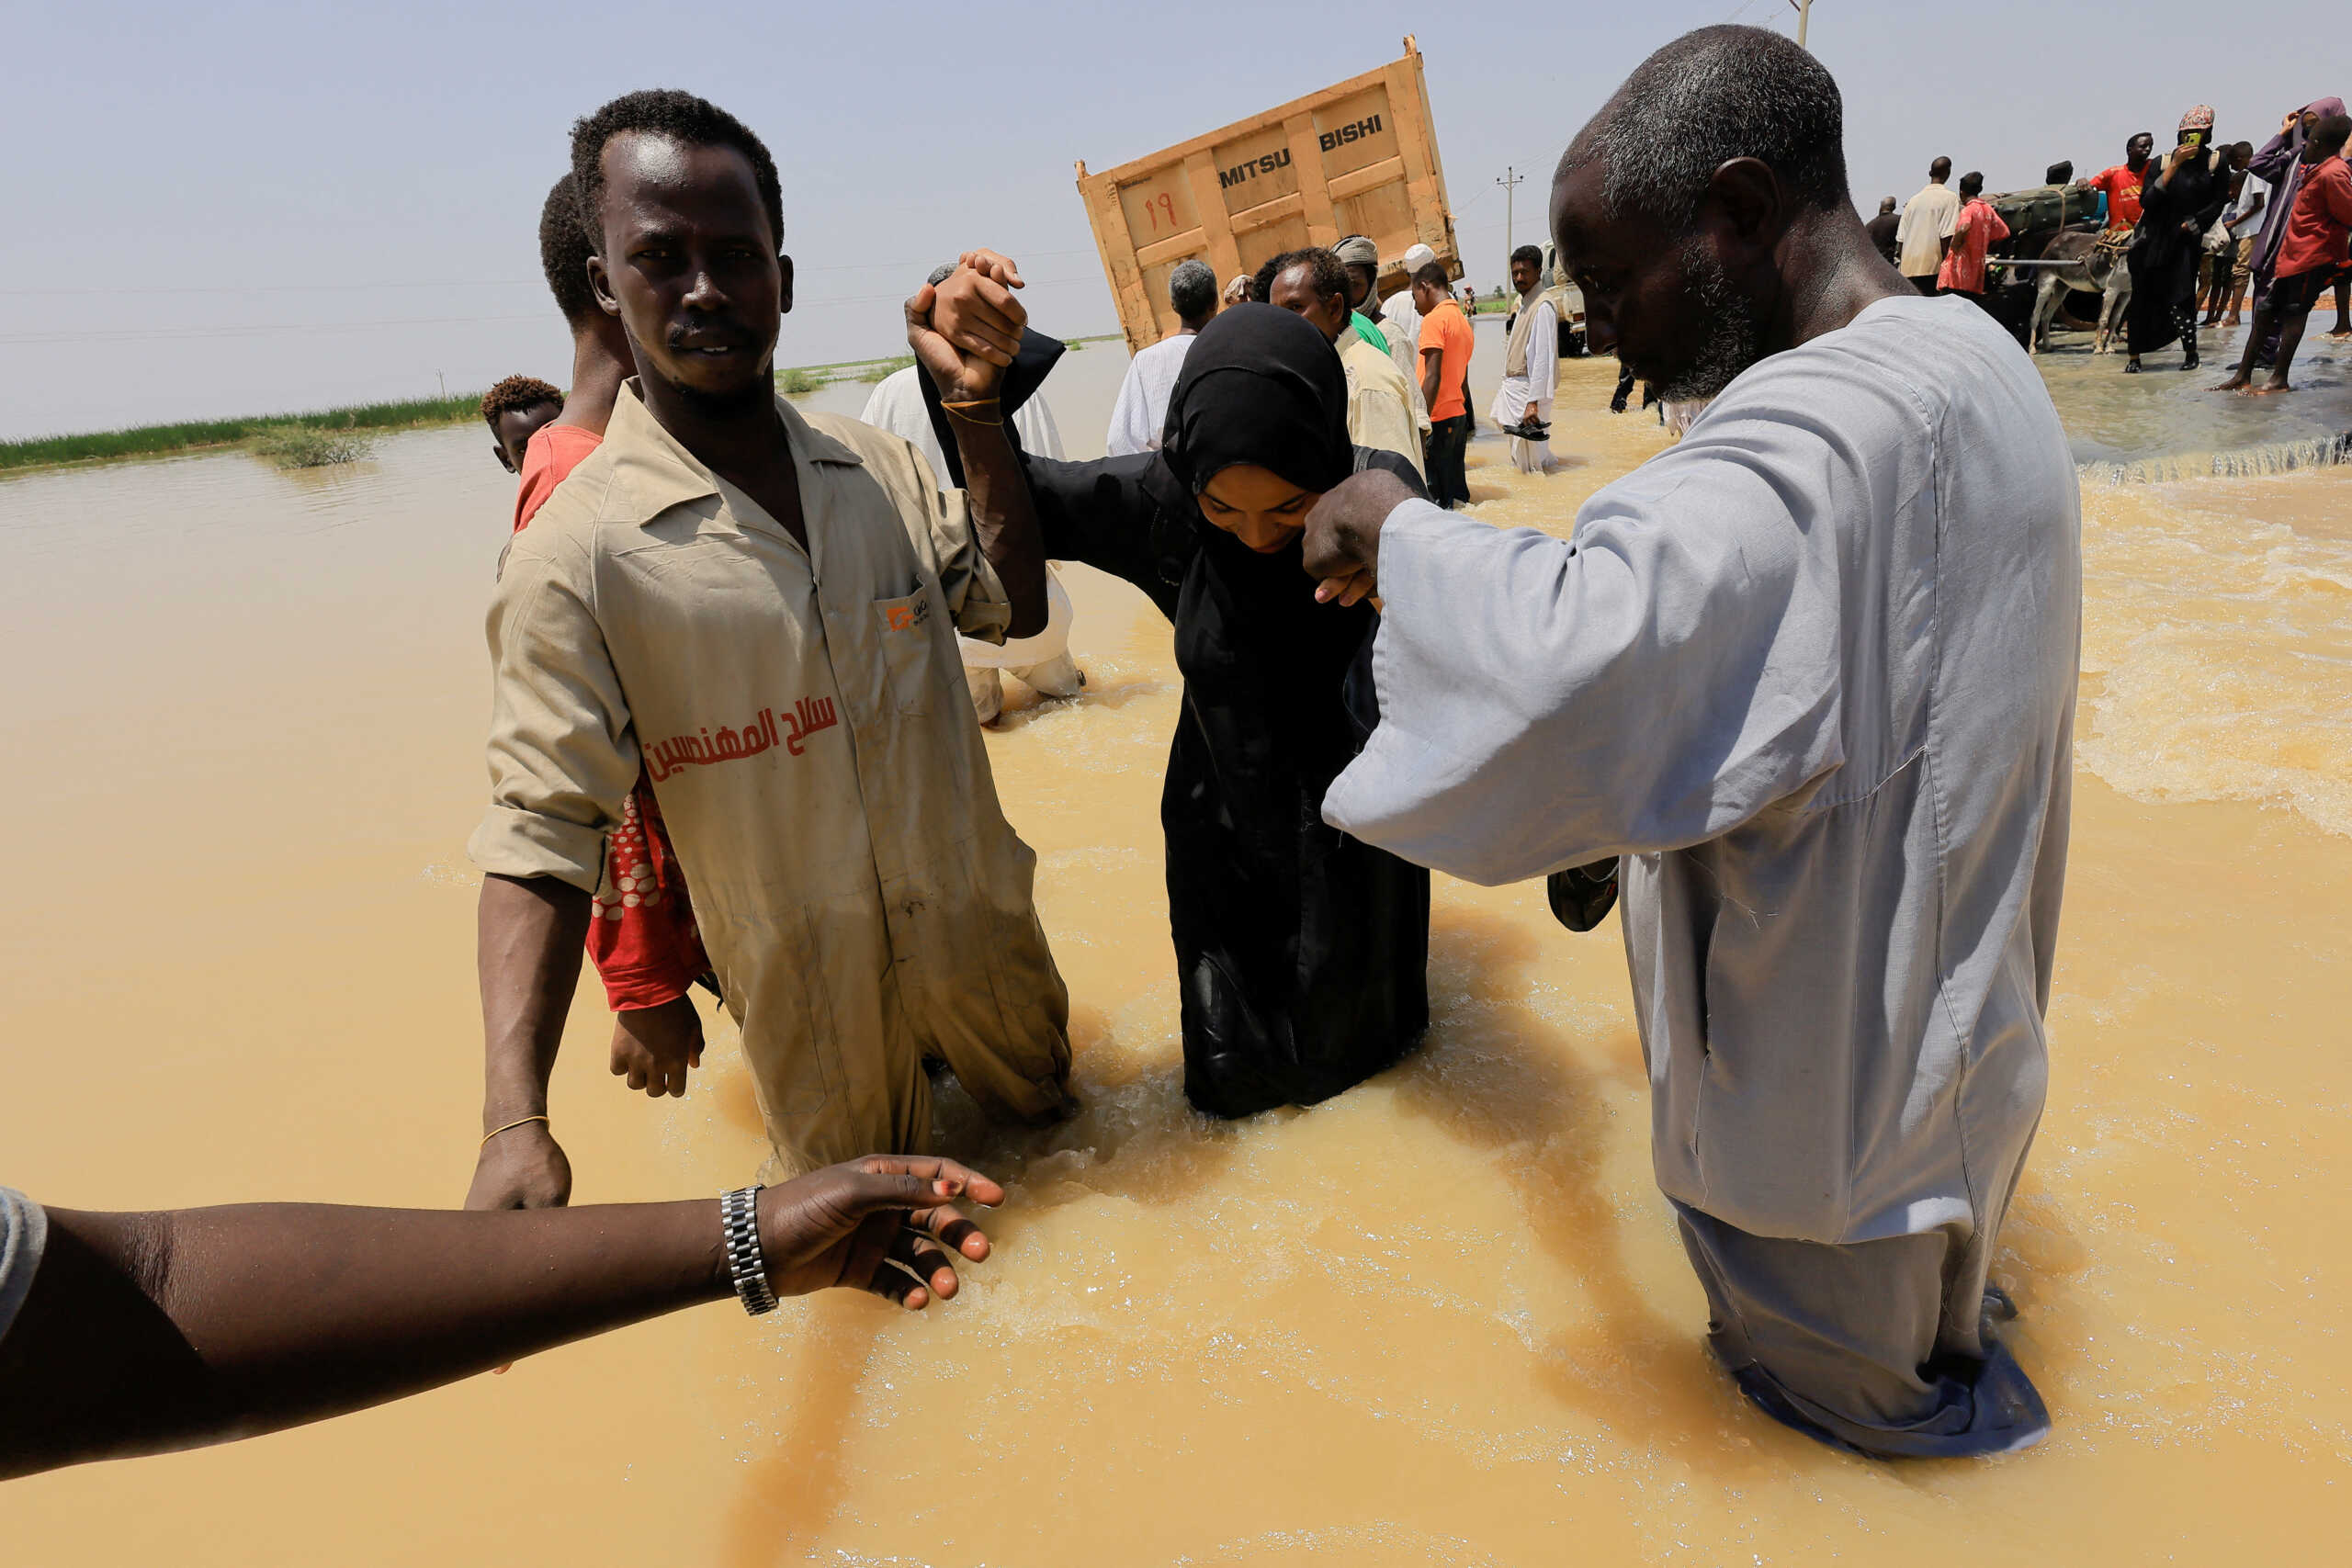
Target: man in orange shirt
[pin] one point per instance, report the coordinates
(1977, 227)
(1446, 340)
(2122, 182)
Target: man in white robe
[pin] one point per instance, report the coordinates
(1531, 367)
(1042, 662)
(1142, 405)
(1812, 673)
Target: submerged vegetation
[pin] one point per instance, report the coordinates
(309, 446)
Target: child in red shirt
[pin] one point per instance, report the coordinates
(2311, 256)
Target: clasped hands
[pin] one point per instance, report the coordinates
(965, 329)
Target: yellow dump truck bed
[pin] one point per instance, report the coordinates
(1356, 158)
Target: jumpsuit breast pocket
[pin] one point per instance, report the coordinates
(904, 626)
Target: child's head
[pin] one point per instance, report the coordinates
(514, 410)
(2327, 137)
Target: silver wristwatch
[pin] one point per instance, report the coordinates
(739, 1218)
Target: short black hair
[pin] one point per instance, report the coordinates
(1326, 274)
(564, 251)
(1941, 169)
(513, 395)
(681, 117)
(1529, 254)
(1434, 273)
(1708, 98)
(1261, 283)
(1970, 183)
(2332, 132)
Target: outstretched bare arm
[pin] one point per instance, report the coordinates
(146, 1332)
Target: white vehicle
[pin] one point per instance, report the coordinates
(1567, 300)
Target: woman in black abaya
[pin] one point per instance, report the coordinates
(1301, 952)
(2177, 204)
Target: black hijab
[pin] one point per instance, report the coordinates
(1259, 386)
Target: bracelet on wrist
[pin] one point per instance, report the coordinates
(976, 410)
(520, 1122)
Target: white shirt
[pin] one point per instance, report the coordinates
(1926, 222)
(896, 405)
(2255, 191)
(1812, 671)
(1141, 411)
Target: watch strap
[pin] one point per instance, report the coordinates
(747, 1263)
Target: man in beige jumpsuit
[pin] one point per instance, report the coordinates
(762, 608)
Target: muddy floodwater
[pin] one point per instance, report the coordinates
(1443, 1319)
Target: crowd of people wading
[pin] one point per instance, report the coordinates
(2204, 226)
(1838, 849)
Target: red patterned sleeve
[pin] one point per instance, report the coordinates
(643, 937)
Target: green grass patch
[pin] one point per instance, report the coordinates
(212, 435)
(196, 436)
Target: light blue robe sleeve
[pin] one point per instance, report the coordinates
(1660, 682)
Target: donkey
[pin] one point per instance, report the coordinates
(2092, 268)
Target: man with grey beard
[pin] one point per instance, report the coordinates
(1811, 673)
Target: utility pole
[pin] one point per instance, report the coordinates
(1804, 13)
(1510, 181)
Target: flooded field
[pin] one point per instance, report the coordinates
(1441, 1320)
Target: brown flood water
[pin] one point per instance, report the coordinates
(1441, 1320)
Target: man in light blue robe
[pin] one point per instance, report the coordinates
(1811, 673)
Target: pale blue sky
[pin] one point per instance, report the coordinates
(253, 207)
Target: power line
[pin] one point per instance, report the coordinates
(440, 282)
